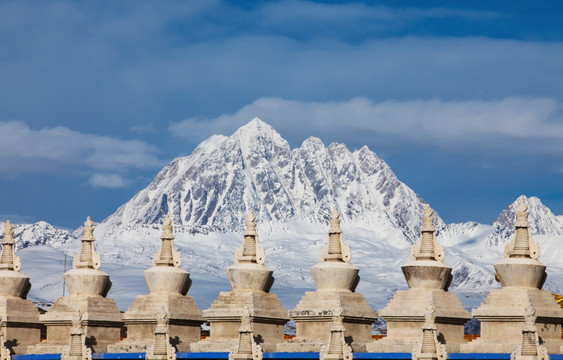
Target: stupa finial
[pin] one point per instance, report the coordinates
(8, 259)
(335, 221)
(246, 320)
(522, 245)
(77, 323)
(530, 315)
(88, 230)
(161, 321)
(87, 258)
(250, 252)
(427, 248)
(167, 255)
(250, 224)
(8, 232)
(167, 228)
(335, 249)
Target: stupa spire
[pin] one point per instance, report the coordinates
(76, 349)
(8, 259)
(522, 245)
(250, 282)
(161, 349)
(429, 346)
(87, 258)
(334, 300)
(335, 249)
(246, 348)
(167, 255)
(530, 347)
(250, 251)
(337, 348)
(428, 279)
(427, 248)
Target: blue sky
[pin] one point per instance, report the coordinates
(464, 101)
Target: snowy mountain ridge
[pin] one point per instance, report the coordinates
(208, 194)
(214, 187)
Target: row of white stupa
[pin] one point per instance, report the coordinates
(250, 319)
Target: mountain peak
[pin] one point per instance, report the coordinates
(542, 221)
(255, 168)
(258, 130)
(256, 125)
(313, 142)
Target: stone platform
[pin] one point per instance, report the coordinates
(314, 319)
(20, 323)
(503, 313)
(405, 316)
(183, 319)
(225, 318)
(250, 282)
(335, 298)
(428, 278)
(101, 321)
(502, 317)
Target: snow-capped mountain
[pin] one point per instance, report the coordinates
(547, 231)
(255, 168)
(292, 190)
(542, 222)
(40, 233)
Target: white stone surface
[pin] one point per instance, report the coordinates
(250, 281)
(428, 278)
(20, 317)
(336, 281)
(168, 286)
(88, 287)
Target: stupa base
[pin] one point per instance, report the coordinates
(20, 324)
(101, 320)
(314, 318)
(224, 316)
(502, 317)
(184, 322)
(405, 315)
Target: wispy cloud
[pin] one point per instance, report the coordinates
(111, 181)
(16, 218)
(510, 125)
(143, 62)
(350, 20)
(143, 129)
(50, 150)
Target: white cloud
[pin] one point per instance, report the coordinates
(524, 125)
(112, 181)
(26, 150)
